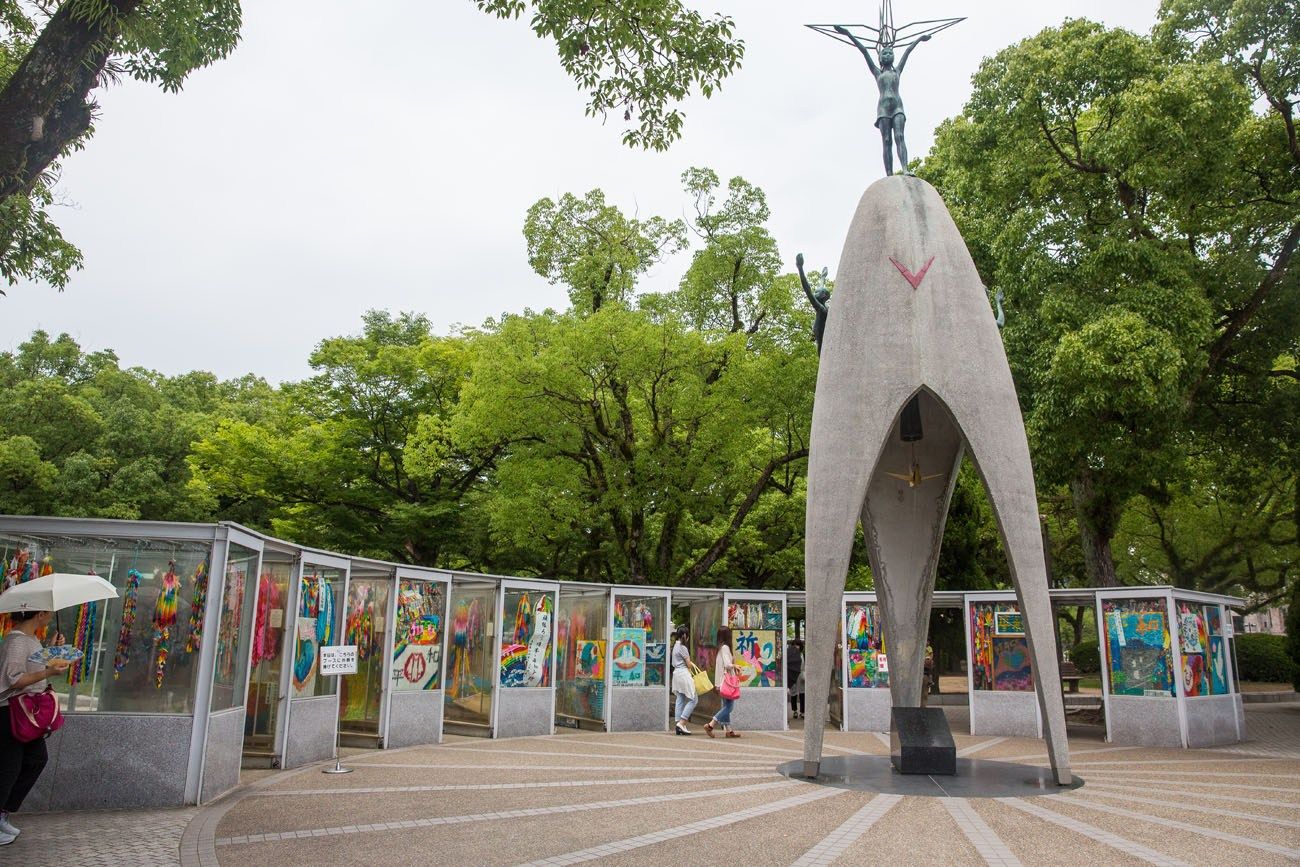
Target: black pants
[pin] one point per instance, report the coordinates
(20, 765)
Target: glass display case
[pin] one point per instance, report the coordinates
(316, 625)
(140, 650)
(364, 626)
(1138, 655)
(639, 643)
(471, 664)
(999, 651)
(267, 658)
(418, 635)
(582, 662)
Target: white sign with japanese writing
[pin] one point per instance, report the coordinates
(338, 659)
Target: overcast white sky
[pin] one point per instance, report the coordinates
(341, 161)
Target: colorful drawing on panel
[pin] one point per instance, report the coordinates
(514, 659)
(1218, 667)
(1138, 647)
(1190, 631)
(1011, 669)
(756, 656)
(754, 615)
(656, 659)
(868, 669)
(628, 660)
(1008, 623)
(590, 658)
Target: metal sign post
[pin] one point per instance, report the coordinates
(338, 660)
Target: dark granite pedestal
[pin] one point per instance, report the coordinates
(920, 741)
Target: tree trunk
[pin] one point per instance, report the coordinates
(1096, 517)
(45, 106)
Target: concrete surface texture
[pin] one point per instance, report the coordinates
(658, 799)
(911, 317)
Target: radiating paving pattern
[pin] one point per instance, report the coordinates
(658, 799)
(654, 799)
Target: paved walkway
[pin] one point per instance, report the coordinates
(653, 798)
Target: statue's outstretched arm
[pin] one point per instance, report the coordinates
(866, 52)
(908, 53)
(807, 289)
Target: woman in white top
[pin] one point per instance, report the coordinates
(21, 763)
(725, 664)
(682, 683)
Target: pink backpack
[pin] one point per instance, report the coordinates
(34, 716)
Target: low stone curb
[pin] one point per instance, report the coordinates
(1267, 697)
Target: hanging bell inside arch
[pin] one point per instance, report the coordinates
(909, 423)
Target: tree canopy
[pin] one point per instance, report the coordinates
(636, 60)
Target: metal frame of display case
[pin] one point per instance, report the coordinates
(645, 707)
(861, 709)
(387, 572)
(227, 749)
(432, 697)
(584, 588)
(314, 748)
(524, 709)
(992, 712)
(761, 708)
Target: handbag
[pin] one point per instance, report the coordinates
(700, 678)
(34, 716)
(730, 688)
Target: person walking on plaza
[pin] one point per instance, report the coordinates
(794, 671)
(21, 763)
(724, 666)
(683, 686)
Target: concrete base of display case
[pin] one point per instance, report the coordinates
(867, 710)
(414, 718)
(312, 724)
(1147, 721)
(1009, 714)
(223, 754)
(761, 709)
(1212, 720)
(114, 762)
(525, 711)
(975, 778)
(638, 709)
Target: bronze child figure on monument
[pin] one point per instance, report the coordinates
(890, 119)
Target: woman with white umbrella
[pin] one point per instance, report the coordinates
(31, 606)
(21, 763)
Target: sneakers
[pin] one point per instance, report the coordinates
(6, 827)
(6, 838)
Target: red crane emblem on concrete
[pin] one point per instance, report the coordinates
(914, 279)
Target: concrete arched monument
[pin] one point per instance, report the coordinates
(911, 321)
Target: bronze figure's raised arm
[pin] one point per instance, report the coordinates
(819, 298)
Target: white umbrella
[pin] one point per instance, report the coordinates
(54, 591)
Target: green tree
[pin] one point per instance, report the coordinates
(83, 437)
(637, 60)
(1121, 195)
(357, 458)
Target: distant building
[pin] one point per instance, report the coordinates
(1268, 620)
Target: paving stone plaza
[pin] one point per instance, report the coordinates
(658, 799)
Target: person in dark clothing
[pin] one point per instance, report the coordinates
(794, 671)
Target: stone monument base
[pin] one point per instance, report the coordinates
(920, 741)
